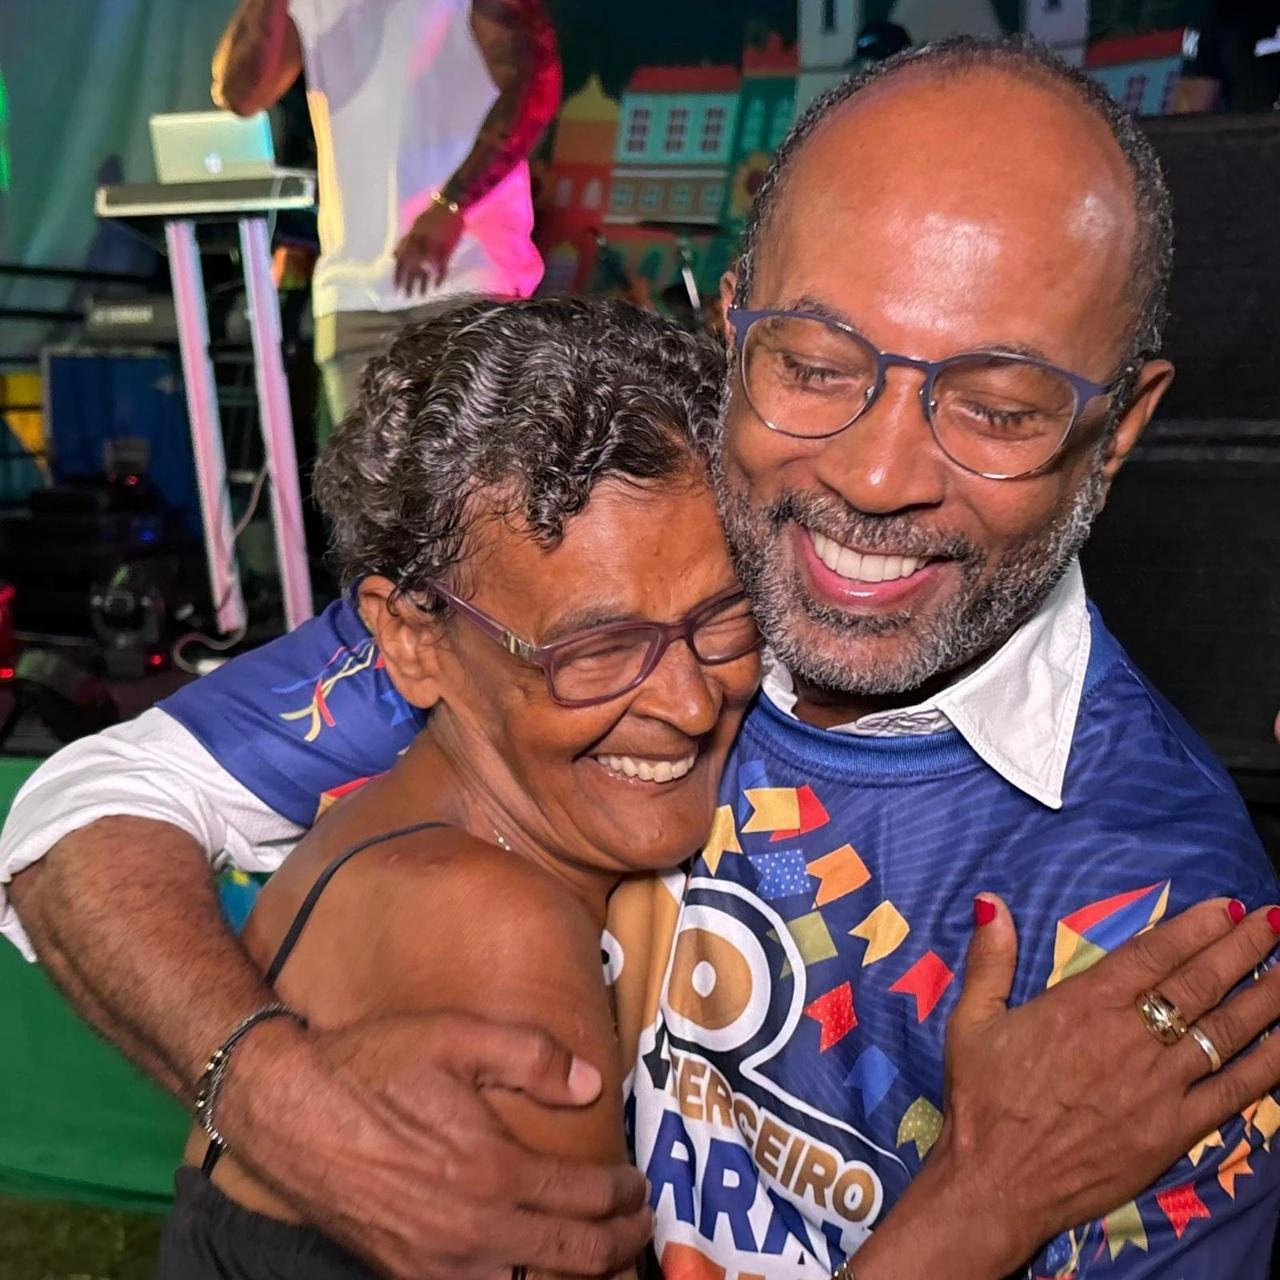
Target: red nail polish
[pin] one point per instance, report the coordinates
(1236, 910)
(984, 912)
(1273, 919)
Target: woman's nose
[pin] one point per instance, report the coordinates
(682, 692)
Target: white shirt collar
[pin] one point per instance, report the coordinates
(1017, 710)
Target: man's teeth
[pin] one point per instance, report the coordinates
(648, 770)
(862, 566)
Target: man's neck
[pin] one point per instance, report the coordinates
(827, 708)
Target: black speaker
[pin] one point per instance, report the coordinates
(1183, 564)
(1224, 325)
(1184, 560)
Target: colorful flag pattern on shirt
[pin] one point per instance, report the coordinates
(779, 1115)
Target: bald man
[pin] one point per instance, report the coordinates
(943, 332)
(945, 324)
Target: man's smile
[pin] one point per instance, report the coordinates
(863, 566)
(844, 575)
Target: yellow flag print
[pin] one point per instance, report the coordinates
(884, 929)
(723, 838)
(1124, 1226)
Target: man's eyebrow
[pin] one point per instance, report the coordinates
(825, 311)
(1013, 349)
(816, 307)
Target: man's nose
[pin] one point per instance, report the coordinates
(888, 460)
(682, 692)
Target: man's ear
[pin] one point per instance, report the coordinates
(407, 638)
(1153, 381)
(728, 287)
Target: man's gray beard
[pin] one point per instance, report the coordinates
(979, 618)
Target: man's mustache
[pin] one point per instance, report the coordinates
(887, 535)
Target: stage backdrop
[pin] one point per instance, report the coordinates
(78, 79)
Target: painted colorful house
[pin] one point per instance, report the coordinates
(1140, 71)
(671, 154)
(766, 110)
(673, 168)
(577, 199)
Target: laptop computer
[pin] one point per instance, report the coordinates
(204, 146)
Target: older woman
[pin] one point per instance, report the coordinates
(521, 503)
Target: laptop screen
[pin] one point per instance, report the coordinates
(204, 146)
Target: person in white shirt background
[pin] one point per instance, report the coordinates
(424, 112)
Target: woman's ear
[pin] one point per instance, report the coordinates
(406, 636)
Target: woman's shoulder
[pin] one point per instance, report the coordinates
(453, 869)
(451, 912)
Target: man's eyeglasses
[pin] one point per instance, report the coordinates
(602, 663)
(998, 415)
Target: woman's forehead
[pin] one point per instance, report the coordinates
(635, 551)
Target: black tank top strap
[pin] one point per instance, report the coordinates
(294, 932)
(213, 1152)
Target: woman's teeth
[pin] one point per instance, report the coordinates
(648, 770)
(862, 566)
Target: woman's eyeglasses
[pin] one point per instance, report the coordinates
(602, 663)
(998, 415)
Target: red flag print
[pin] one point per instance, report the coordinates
(927, 979)
(1180, 1205)
(834, 1013)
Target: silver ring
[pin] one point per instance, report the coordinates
(1210, 1050)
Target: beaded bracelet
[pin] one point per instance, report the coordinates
(210, 1082)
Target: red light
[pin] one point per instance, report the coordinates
(131, 479)
(155, 659)
(6, 673)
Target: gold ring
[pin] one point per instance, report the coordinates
(1162, 1017)
(1210, 1050)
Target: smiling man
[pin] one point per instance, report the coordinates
(903, 515)
(943, 330)
(943, 327)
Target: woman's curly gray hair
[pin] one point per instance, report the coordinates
(530, 403)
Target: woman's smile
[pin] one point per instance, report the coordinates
(658, 770)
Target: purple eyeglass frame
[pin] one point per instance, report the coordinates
(1083, 388)
(665, 634)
